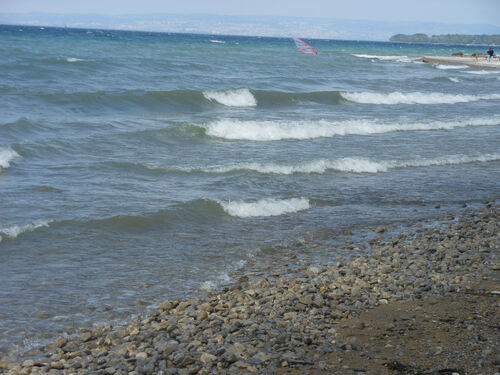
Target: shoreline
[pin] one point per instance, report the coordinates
(473, 62)
(359, 315)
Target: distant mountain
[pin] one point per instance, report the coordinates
(307, 27)
(447, 39)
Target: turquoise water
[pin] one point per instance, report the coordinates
(142, 166)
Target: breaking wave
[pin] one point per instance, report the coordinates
(347, 164)
(414, 98)
(232, 98)
(15, 230)
(73, 59)
(385, 58)
(482, 72)
(447, 67)
(278, 130)
(265, 207)
(453, 79)
(6, 156)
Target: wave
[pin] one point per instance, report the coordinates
(279, 130)
(347, 164)
(127, 100)
(232, 98)
(217, 41)
(15, 230)
(265, 207)
(414, 98)
(482, 72)
(6, 156)
(73, 59)
(199, 211)
(447, 67)
(386, 58)
(453, 79)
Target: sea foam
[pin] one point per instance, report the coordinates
(265, 207)
(414, 98)
(6, 156)
(232, 98)
(385, 58)
(347, 164)
(73, 59)
(278, 130)
(453, 79)
(15, 230)
(447, 67)
(482, 72)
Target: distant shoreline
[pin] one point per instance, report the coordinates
(455, 39)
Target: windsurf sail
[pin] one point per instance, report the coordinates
(304, 47)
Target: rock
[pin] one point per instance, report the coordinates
(57, 365)
(141, 355)
(207, 358)
(86, 336)
(203, 315)
(380, 230)
(62, 342)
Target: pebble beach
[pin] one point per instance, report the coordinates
(424, 301)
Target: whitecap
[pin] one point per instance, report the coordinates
(73, 59)
(217, 41)
(265, 207)
(6, 156)
(347, 164)
(444, 160)
(414, 98)
(447, 67)
(453, 79)
(385, 58)
(358, 165)
(232, 98)
(14, 231)
(277, 130)
(482, 72)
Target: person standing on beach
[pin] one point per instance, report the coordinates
(490, 54)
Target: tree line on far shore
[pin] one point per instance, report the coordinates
(447, 39)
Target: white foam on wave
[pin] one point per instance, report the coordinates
(15, 230)
(217, 41)
(232, 98)
(347, 164)
(73, 59)
(453, 79)
(278, 130)
(265, 207)
(447, 67)
(385, 58)
(482, 72)
(414, 98)
(6, 156)
(444, 160)
(358, 165)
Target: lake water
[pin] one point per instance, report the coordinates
(137, 167)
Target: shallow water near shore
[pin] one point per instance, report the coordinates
(137, 167)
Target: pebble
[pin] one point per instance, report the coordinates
(259, 324)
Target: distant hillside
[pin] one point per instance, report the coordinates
(447, 39)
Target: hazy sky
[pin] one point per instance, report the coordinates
(446, 11)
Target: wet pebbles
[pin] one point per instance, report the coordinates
(269, 323)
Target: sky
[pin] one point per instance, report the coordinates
(443, 11)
